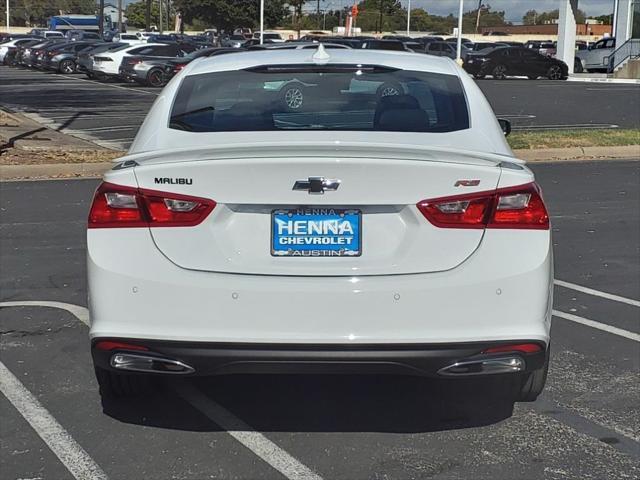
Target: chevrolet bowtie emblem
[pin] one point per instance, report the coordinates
(317, 185)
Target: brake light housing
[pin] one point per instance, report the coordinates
(118, 206)
(519, 207)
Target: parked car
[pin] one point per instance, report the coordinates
(144, 36)
(174, 66)
(477, 46)
(274, 37)
(16, 57)
(234, 41)
(401, 38)
(244, 32)
(395, 45)
(595, 57)
(468, 44)
(62, 58)
(514, 61)
(8, 48)
(446, 49)
(210, 243)
(84, 61)
(32, 55)
(548, 49)
(81, 35)
(107, 64)
(6, 36)
(150, 69)
(44, 33)
(296, 46)
(128, 38)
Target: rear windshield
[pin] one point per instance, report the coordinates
(333, 97)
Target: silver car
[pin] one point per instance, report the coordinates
(596, 57)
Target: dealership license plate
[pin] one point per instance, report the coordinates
(316, 232)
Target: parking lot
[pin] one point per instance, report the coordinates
(110, 113)
(586, 424)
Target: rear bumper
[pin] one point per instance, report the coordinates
(501, 293)
(418, 360)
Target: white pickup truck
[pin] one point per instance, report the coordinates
(596, 57)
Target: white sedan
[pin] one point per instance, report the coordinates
(373, 230)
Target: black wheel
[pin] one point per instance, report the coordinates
(389, 89)
(121, 385)
(101, 77)
(554, 72)
(293, 97)
(499, 72)
(533, 383)
(155, 78)
(479, 76)
(532, 77)
(67, 66)
(577, 66)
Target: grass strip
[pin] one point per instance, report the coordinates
(573, 138)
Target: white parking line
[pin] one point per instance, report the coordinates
(81, 313)
(243, 433)
(128, 89)
(597, 325)
(597, 293)
(70, 453)
(254, 441)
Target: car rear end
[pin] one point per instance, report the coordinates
(353, 236)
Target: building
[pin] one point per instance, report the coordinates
(551, 29)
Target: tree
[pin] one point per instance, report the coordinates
(530, 18)
(605, 19)
(228, 15)
(549, 17)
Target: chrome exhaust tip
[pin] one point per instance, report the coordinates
(149, 364)
(486, 366)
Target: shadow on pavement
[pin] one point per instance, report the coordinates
(322, 403)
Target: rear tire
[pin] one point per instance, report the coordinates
(577, 66)
(499, 72)
(534, 382)
(121, 385)
(67, 67)
(155, 78)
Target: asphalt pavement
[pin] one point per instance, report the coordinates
(109, 113)
(586, 425)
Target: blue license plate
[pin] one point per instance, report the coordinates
(316, 232)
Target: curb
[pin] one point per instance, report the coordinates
(625, 152)
(96, 170)
(54, 170)
(628, 81)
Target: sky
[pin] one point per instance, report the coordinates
(514, 9)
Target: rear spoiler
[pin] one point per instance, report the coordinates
(392, 151)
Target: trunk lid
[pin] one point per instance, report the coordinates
(395, 237)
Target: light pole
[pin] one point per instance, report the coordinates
(7, 16)
(160, 4)
(459, 39)
(409, 18)
(261, 22)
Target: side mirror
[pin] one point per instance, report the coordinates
(505, 125)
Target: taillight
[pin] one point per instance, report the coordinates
(518, 207)
(118, 206)
(108, 345)
(179, 67)
(518, 347)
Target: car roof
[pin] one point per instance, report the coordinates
(255, 58)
